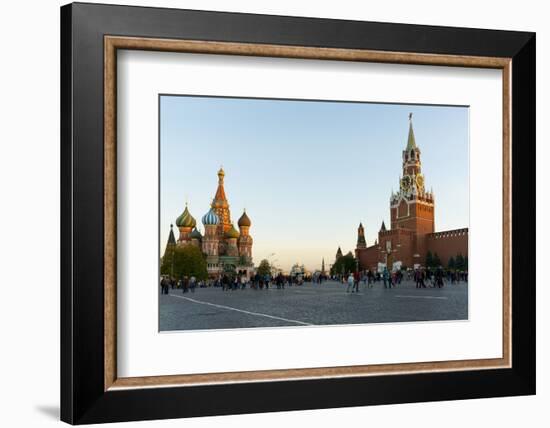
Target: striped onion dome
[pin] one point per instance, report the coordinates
(195, 234)
(244, 220)
(186, 219)
(232, 233)
(210, 218)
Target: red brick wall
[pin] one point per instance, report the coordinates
(420, 218)
(402, 245)
(447, 244)
(368, 257)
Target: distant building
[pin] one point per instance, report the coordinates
(412, 233)
(297, 270)
(224, 246)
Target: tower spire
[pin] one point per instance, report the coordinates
(411, 143)
(361, 243)
(221, 205)
(171, 237)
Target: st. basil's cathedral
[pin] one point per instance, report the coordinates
(412, 230)
(225, 247)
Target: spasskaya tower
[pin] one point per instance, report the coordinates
(412, 207)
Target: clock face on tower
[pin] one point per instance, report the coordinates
(420, 181)
(406, 183)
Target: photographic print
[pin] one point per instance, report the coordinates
(300, 213)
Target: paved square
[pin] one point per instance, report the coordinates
(310, 304)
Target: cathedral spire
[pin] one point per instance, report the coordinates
(411, 143)
(220, 193)
(221, 205)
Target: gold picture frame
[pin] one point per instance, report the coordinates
(114, 43)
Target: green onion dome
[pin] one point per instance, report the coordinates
(232, 233)
(210, 218)
(244, 220)
(195, 234)
(186, 219)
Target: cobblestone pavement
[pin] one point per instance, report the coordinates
(310, 304)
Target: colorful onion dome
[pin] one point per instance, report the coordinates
(232, 233)
(186, 219)
(210, 218)
(244, 220)
(195, 234)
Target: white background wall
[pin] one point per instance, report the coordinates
(29, 215)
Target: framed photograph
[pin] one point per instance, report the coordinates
(266, 213)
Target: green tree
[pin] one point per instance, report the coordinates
(436, 260)
(264, 268)
(166, 261)
(460, 263)
(429, 259)
(451, 263)
(344, 264)
(184, 261)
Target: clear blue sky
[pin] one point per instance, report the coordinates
(307, 172)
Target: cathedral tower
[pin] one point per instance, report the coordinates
(196, 238)
(185, 223)
(245, 240)
(210, 240)
(231, 237)
(221, 206)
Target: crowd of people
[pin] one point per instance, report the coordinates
(230, 282)
(438, 277)
(423, 278)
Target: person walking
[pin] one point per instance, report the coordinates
(350, 283)
(385, 277)
(370, 278)
(439, 278)
(280, 282)
(356, 279)
(192, 284)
